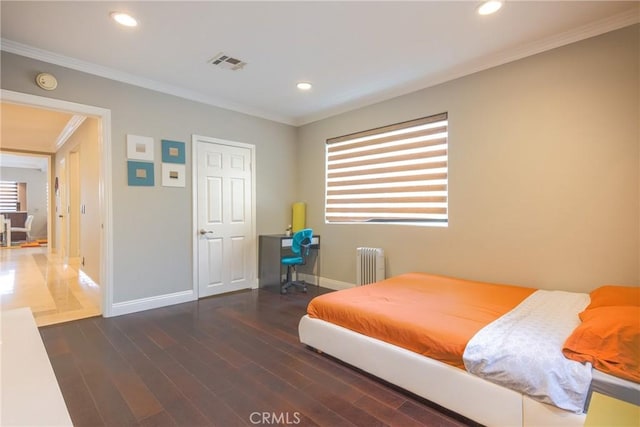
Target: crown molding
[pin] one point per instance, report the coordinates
(21, 49)
(593, 29)
(72, 125)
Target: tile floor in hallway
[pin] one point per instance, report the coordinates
(56, 292)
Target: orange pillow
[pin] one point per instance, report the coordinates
(609, 338)
(610, 295)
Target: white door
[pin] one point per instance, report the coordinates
(62, 237)
(224, 216)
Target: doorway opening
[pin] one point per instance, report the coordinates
(84, 250)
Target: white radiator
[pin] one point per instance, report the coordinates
(369, 265)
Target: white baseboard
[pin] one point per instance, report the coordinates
(336, 285)
(326, 283)
(133, 306)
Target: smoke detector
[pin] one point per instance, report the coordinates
(46, 81)
(225, 61)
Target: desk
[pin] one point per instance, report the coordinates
(272, 247)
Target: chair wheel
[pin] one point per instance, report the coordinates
(283, 291)
(304, 289)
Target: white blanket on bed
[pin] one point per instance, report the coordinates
(522, 350)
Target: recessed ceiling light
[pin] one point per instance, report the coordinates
(303, 86)
(489, 7)
(124, 19)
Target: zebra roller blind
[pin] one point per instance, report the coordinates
(394, 174)
(8, 196)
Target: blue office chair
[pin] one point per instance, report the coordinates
(300, 245)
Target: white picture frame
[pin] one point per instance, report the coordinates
(139, 148)
(173, 175)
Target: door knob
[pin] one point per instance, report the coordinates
(203, 232)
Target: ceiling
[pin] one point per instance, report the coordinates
(354, 53)
(33, 130)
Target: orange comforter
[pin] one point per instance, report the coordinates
(428, 314)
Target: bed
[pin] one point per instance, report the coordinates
(425, 332)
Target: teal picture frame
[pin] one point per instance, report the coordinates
(140, 174)
(173, 152)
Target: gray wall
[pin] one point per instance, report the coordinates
(36, 196)
(152, 232)
(544, 173)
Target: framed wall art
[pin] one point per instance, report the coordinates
(173, 175)
(140, 173)
(173, 152)
(139, 148)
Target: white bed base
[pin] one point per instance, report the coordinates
(450, 387)
(29, 391)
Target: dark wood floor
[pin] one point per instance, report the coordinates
(220, 361)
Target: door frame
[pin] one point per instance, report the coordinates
(104, 181)
(73, 202)
(195, 141)
(61, 218)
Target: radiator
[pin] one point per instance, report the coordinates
(369, 265)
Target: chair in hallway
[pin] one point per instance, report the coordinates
(301, 242)
(5, 229)
(26, 229)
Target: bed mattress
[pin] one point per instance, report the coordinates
(428, 314)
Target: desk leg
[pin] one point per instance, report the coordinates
(318, 266)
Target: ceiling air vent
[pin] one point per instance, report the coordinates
(225, 61)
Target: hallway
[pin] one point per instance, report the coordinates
(55, 292)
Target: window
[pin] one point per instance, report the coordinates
(9, 196)
(394, 174)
